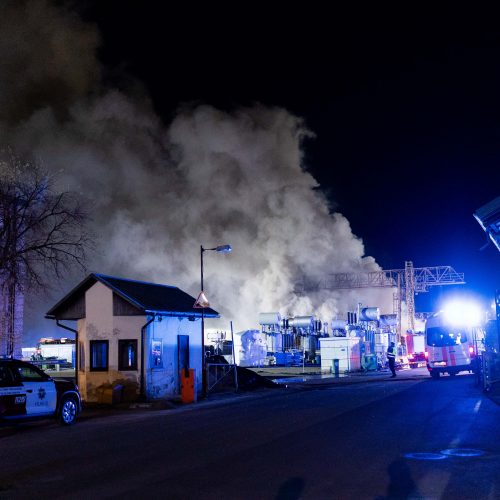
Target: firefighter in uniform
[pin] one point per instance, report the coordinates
(391, 356)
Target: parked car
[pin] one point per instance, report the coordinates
(26, 392)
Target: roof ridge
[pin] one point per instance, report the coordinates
(145, 296)
(105, 276)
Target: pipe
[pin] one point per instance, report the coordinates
(143, 333)
(77, 347)
(203, 365)
(234, 358)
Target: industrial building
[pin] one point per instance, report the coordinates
(52, 353)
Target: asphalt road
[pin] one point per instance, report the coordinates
(316, 442)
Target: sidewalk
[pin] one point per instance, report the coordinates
(313, 375)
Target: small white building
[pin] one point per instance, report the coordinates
(136, 334)
(57, 349)
(342, 350)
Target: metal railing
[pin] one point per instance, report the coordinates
(217, 372)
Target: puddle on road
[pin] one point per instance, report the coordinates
(451, 452)
(463, 452)
(425, 456)
(286, 380)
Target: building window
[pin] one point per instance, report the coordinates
(99, 355)
(127, 355)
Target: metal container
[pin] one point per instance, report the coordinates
(339, 324)
(270, 319)
(369, 314)
(306, 322)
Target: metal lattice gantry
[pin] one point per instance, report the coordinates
(423, 278)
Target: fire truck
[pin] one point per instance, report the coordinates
(451, 344)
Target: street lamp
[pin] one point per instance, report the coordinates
(220, 249)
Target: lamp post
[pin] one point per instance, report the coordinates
(220, 249)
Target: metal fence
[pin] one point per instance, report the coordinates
(221, 375)
(490, 369)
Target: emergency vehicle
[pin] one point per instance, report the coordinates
(26, 392)
(449, 347)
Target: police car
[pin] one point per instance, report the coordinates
(27, 392)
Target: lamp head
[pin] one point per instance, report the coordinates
(223, 249)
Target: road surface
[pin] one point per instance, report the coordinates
(316, 442)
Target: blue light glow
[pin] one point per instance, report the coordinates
(460, 313)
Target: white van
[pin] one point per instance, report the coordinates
(448, 348)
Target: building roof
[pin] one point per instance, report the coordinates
(147, 298)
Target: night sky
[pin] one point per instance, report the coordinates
(404, 106)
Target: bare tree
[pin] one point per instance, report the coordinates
(42, 231)
(42, 236)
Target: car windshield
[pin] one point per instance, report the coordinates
(29, 373)
(440, 337)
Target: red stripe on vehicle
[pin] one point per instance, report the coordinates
(452, 358)
(444, 352)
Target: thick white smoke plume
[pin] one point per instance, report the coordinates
(158, 193)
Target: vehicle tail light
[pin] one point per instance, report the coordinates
(426, 354)
(471, 350)
(410, 356)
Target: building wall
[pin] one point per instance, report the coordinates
(99, 324)
(161, 380)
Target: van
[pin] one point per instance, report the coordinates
(449, 348)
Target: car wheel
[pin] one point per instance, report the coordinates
(68, 411)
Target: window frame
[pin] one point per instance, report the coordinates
(125, 343)
(439, 336)
(93, 368)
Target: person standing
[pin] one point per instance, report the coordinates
(391, 356)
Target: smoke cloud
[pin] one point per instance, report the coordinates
(159, 192)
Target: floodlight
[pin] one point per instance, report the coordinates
(462, 314)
